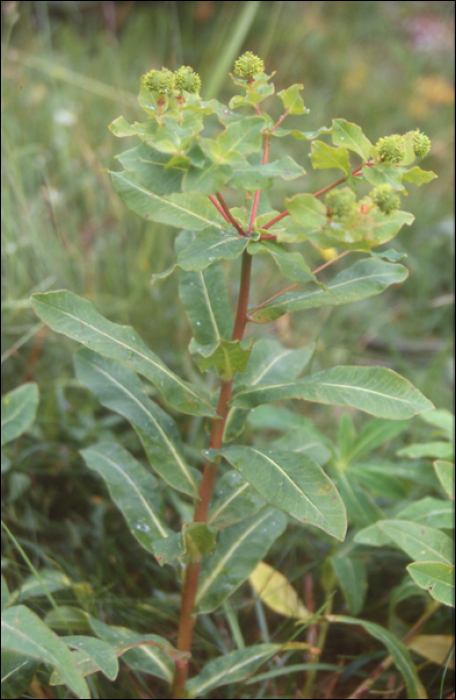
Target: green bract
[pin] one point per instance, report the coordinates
(391, 149)
(248, 65)
(385, 198)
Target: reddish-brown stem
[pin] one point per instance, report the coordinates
(229, 215)
(296, 284)
(187, 617)
(218, 207)
(280, 120)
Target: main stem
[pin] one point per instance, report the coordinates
(187, 617)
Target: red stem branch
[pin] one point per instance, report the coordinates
(229, 216)
(218, 207)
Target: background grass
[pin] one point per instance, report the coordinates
(69, 69)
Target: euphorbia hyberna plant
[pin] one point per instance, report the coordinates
(176, 176)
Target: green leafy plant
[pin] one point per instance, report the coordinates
(190, 151)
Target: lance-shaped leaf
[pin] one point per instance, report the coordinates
(280, 132)
(445, 474)
(24, 632)
(352, 575)
(91, 655)
(133, 489)
(324, 156)
(192, 211)
(364, 279)
(18, 411)
(435, 577)
(233, 500)
(275, 591)
(239, 549)
(75, 317)
(18, 671)
(205, 297)
(375, 390)
(421, 543)
(119, 388)
(399, 652)
(147, 653)
(351, 136)
(269, 362)
(290, 263)
(230, 668)
(153, 169)
(294, 483)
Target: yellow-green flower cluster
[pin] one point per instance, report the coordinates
(341, 203)
(248, 65)
(391, 149)
(385, 198)
(165, 82)
(421, 144)
(186, 79)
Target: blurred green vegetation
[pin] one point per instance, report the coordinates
(69, 69)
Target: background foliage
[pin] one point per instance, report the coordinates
(68, 69)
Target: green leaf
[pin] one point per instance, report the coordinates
(239, 549)
(18, 411)
(435, 577)
(421, 543)
(419, 177)
(133, 489)
(241, 137)
(291, 264)
(5, 592)
(91, 655)
(292, 100)
(294, 483)
(256, 177)
(361, 507)
(391, 255)
(49, 580)
(364, 279)
(383, 174)
(377, 478)
(269, 361)
(396, 648)
(233, 500)
(307, 211)
(442, 419)
(375, 434)
(376, 390)
(145, 653)
(192, 211)
(351, 136)
(117, 387)
(445, 474)
(24, 632)
(226, 357)
(230, 668)
(206, 301)
(120, 128)
(280, 132)
(303, 438)
(169, 549)
(153, 169)
(352, 575)
(207, 179)
(324, 156)
(429, 511)
(18, 671)
(437, 449)
(75, 317)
